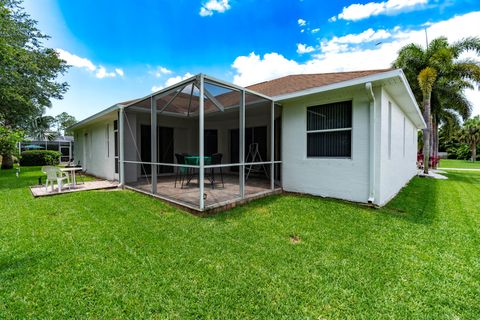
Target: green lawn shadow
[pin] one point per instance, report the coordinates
(417, 202)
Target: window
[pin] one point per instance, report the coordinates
(107, 140)
(389, 130)
(329, 130)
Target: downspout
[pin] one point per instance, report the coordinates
(372, 142)
(121, 145)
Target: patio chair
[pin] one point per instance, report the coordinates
(181, 172)
(54, 174)
(70, 163)
(216, 159)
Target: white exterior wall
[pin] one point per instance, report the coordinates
(329, 177)
(395, 168)
(94, 153)
(348, 179)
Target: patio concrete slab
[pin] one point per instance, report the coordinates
(40, 191)
(219, 196)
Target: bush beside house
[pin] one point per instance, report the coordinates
(39, 158)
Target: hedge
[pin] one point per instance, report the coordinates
(40, 158)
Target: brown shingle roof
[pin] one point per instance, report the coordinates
(299, 82)
(275, 87)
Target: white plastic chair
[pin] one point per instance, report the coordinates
(55, 174)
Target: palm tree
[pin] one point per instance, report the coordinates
(470, 134)
(438, 76)
(426, 79)
(40, 128)
(449, 107)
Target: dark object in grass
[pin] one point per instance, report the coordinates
(295, 239)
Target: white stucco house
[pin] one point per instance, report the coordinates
(346, 135)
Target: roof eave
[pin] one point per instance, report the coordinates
(94, 117)
(337, 85)
(419, 122)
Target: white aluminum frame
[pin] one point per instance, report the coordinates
(199, 81)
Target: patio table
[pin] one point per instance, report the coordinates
(72, 171)
(195, 161)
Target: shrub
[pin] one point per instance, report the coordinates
(39, 158)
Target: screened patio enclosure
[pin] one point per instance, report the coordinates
(202, 143)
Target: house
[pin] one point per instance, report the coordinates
(62, 144)
(346, 135)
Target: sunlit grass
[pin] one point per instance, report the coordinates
(461, 164)
(120, 254)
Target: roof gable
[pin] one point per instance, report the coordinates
(299, 82)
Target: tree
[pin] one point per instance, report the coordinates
(64, 120)
(438, 76)
(40, 128)
(8, 144)
(449, 107)
(426, 79)
(470, 134)
(28, 70)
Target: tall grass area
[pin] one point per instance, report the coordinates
(120, 254)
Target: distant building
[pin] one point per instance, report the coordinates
(62, 144)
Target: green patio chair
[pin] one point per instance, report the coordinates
(181, 172)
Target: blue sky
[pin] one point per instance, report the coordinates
(125, 49)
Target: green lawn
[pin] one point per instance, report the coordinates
(461, 164)
(120, 254)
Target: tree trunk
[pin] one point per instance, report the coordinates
(437, 140)
(432, 141)
(426, 132)
(7, 161)
(434, 147)
(474, 152)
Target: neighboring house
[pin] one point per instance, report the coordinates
(346, 135)
(62, 144)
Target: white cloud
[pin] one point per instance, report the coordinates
(171, 81)
(211, 6)
(344, 43)
(366, 36)
(103, 73)
(315, 30)
(119, 72)
(347, 54)
(252, 68)
(161, 71)
(303, 48)
(357, 11)
(84, 63)
(301, 22)
(75, 60)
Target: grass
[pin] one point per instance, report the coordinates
(120, 254)
(460, 164)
